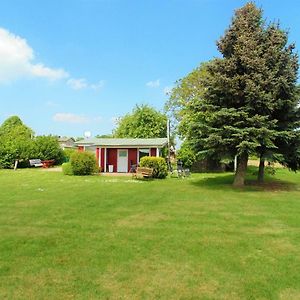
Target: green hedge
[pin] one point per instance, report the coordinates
(83, 163)
(158, 164)
(67, 168)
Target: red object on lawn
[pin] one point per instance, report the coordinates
(48, 163)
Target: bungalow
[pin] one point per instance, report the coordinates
(66, 142)
(118, 155)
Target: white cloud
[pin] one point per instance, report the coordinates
(153, 84)
(17, 60)
(168, 90)
(77, 84)
(75, 119)
(40, 70)
(70, 118)
(82, 83)
(98, 85)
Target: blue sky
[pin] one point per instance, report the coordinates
(75, 65)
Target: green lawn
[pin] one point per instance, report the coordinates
(116, 238)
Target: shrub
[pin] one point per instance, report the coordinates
(83, 163)
(67, 168)
(186, 155)
(47, 147)
(158, 164)
(68, 153)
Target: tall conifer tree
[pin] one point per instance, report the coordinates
(250, 99)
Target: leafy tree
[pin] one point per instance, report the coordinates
(15, 124)
(182, 107)
(47, 147)
(15, 142)
(143, 122)
(186, 155)
(187, 93)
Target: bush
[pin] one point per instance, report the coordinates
(47, 147)
(68, 153)
(186, 155)
(83, 163)
(67, 169)
(158, 164)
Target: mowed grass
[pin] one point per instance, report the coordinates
(116, 238)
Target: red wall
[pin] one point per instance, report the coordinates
(102, 159)
(153, 152)
(132, 158)
(111, 159)
(80, 148)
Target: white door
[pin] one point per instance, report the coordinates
(122, 161)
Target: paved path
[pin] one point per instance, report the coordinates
(52, 169)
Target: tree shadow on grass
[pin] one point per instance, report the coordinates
(216, 181)
(224, 181)
(272, 185)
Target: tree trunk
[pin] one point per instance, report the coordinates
(239, 178)
(16, 164)
(261, 171)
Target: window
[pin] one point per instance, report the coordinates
(122, 153)
(143, 152)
